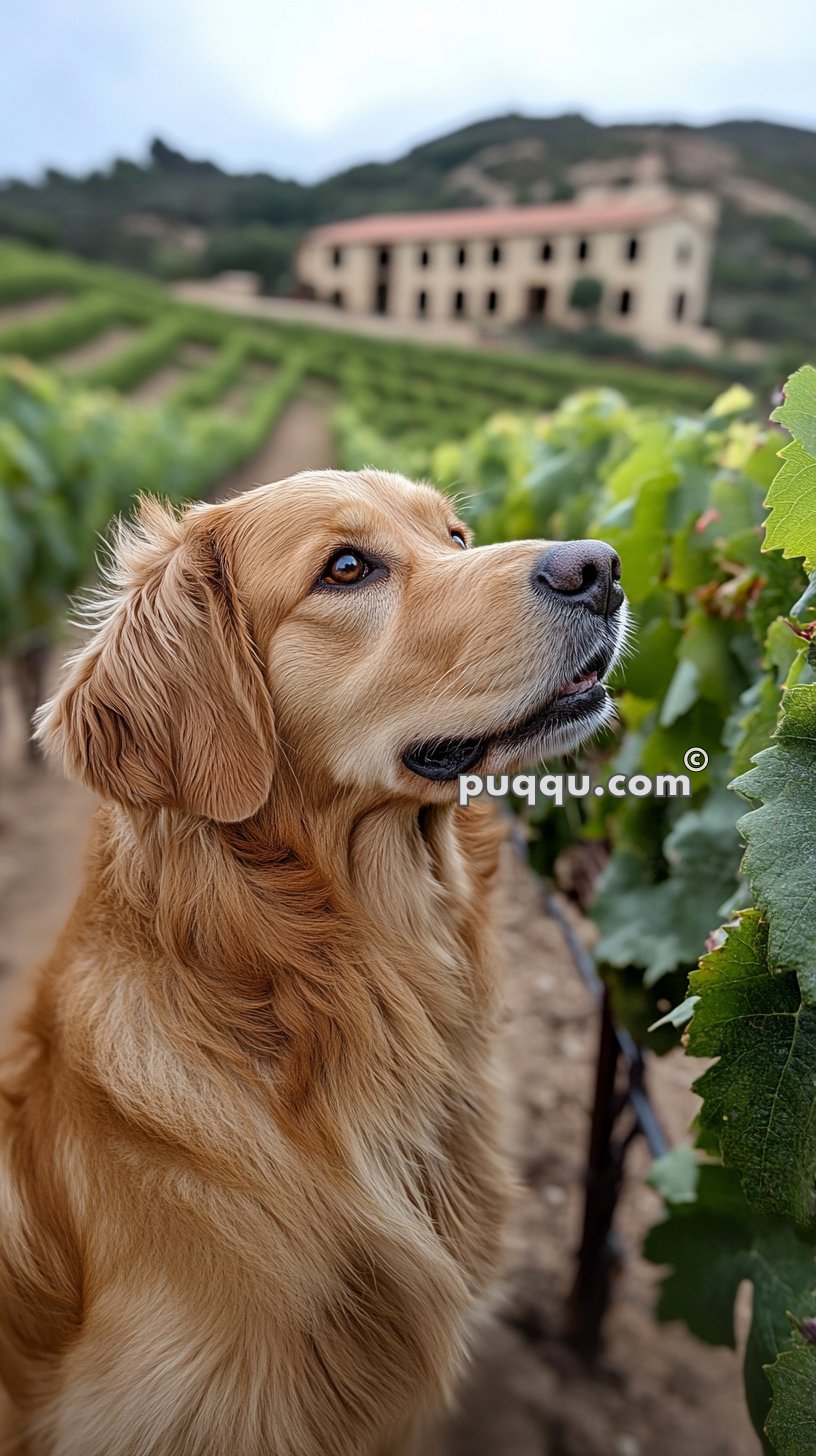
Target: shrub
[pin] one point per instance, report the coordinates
(586, 295)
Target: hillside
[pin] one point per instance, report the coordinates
(175, 216)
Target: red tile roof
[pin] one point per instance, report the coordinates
(488, 222)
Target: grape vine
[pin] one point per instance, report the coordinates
(716, 541)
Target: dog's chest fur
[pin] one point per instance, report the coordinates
(286, 1248)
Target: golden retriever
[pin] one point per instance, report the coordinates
(251, 1176)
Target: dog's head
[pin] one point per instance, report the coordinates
(340, 630)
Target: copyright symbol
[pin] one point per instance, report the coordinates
(695, 759)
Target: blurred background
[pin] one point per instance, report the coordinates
(559, 259)
(210, 139)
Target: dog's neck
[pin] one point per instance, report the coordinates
(225, 898)
(243, 956)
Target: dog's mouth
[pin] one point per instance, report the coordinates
(576, 703)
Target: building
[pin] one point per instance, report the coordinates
(649, 249)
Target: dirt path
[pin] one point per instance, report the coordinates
(98, 350)
(240, 394)
(44, 824)
(158, 385)
(301, 441)
(30, 309)
(655, 1389)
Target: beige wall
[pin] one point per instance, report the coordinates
(654, 278)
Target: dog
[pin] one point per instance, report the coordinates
(252, 1181)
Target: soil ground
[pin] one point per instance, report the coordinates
(241, 393)
(156, 387)
(30, 309)
(654, 1389)
(96, 351)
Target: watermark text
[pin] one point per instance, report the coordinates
(554, 788)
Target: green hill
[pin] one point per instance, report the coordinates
(175, 216)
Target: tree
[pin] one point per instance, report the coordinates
(257, 248)
(586, 296)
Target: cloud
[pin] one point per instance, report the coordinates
(307, 88)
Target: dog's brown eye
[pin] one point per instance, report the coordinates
(346, 569)
(459, 538)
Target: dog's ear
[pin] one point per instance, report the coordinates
(167, 706)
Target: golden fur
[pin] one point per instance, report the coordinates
(251, 1186)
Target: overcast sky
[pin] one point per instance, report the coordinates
(304, 87)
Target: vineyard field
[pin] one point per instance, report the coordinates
(425, 390)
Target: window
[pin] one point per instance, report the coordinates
(547, 253)
(495, 254)
(582, 250)
(384, 257)
(461, 256)
(492, 301)
(682, 252)
(459, 304)
(679, 306)
(422, 303)
(337, 257)
(337, 298)
(625, 301)
(424, 257)
(632, 249)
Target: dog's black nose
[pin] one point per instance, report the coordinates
(584, 572)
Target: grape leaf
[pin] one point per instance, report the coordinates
(676, 1175)
(710, 1246)
(707, 648)
(683, 692)
(664, 924)
(734, 400)
(798, 410)
(753, 723)
(780, 857)
(792, 1422)
(760, 1097)
(791, 503)
(651, 667)
(634, 515)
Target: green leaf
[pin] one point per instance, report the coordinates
(791, 502)
(734, 400)
(754, 723)
(780, 855)
(684, 690)
(711, 1246)
(792, 1422)
(654, 645)
(759, 1098)
(634, 518)
(676, 1175)
(781, 647)
(798, 410)
(679, 1015)
(663, 925)
(708, 646)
